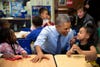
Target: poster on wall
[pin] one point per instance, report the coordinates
(35, 9)
(16, 8)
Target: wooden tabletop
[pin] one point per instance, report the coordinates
(21, 34)
(25, 62)
(73, 61)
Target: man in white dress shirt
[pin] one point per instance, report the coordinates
(46, 42)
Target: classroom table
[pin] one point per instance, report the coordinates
(21, 34)
(73, 61)
(25, 62)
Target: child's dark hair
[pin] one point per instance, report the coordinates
(41, 10)
(6, 35)
(37, 21)
(82, 7)
(92, 31)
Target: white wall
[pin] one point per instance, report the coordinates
(1, 7)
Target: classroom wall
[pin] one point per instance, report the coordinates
(1, 7)
(31, 3)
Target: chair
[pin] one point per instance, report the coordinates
(25, 43)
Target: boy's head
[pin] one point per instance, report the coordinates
(37, 21)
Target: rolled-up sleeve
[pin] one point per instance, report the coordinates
(42, 37)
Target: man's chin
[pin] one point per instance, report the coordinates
(64, 34)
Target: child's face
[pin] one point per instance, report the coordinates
(80, 13)
(44, 15)
(82, 34)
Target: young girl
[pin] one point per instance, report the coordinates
(85, 46)
(8, 45)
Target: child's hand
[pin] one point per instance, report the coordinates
(76, 48)
(72, 41)
(14, 58)
(69, 53)
(8, 55)
(25, 55)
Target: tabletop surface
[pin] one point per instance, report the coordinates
(73, 61)
(25, 62)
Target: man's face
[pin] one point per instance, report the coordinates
(64, 28)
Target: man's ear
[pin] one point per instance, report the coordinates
(58, 26)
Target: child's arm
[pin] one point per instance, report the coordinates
(69, 52)
(90, 55)
(4, 52)
(22, 51)
(91, 51)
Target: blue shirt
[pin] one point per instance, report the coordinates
(47, 40)
(33, 35)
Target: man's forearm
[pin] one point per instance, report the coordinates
(38, 49)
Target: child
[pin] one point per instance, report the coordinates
(4, 24)
(82, 18)
(45, 15)
(8, 44)
(32, 36)
(85, 46)
(37, 22)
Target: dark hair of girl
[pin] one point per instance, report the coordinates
(92, 31)
(7, 35)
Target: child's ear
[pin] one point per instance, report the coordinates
(87, 36)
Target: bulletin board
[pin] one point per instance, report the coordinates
(16, 8)
(35, 9)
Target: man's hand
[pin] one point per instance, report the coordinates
(39, 58)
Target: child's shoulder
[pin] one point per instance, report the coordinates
(4, 44)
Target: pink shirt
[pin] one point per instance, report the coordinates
(6, 48)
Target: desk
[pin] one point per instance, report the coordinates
(27, 63)
(21, 34)
(73, 61)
